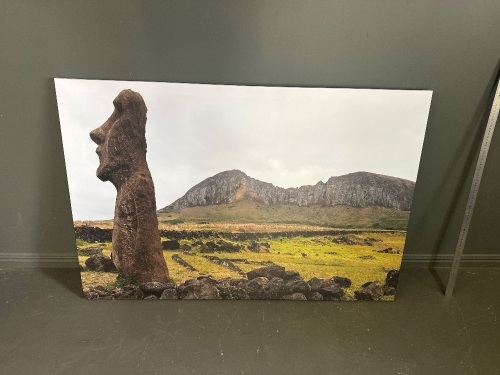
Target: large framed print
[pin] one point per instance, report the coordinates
(197, 191)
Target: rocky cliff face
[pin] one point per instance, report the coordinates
(358, 189)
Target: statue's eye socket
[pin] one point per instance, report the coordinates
(118, 105)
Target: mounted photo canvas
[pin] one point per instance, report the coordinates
(197, 191)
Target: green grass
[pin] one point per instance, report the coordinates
(93, 278)
(318, 255)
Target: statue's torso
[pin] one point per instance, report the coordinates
(136, 241)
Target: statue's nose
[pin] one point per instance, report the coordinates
(97, 136)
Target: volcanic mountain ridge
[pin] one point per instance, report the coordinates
(359, 189)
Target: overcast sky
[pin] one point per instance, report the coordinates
(286, 136)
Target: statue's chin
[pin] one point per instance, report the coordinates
(102, 173)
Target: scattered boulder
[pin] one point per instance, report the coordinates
(295, 297)
(228, 247)
(169, 293)
(99, 262)
(93, 234)
(389, 290)
(331, 292)
(316, 284)
(292, 275)
(267, 272)
(389, 250)
(315, 296)
(254, 246)
(275, 288)
(344, 282)
(153, 288)
(277, 284)
(259, 247)
(232, 292)
(351, 239)
(370, 291)
(207, 279)
(256, 287)
(263, 288)
(345, 240)
(202, 288)
(370, 240)
(297, 286)
(176, 258)
(185, 248)
(348, 239)
(170, 245)
(128, 292)
(98, 292)
(240, 283)
(328, 288)
(90, 294)
(392, 278)
(221, 246)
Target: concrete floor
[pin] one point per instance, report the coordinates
(46, 327)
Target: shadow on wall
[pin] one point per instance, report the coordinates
(447, 234)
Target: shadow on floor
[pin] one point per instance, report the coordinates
(67, 277)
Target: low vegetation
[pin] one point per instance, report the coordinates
(361, 256)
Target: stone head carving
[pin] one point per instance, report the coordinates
(121, 139)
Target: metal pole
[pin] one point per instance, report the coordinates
(478, 173)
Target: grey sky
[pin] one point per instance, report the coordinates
(286, 136)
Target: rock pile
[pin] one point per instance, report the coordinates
(220, 246)
(375, 290)
(170, 245)
(96, 234)
(351, 239)
(127, 292)
(247, 236)
(259, 247)
(272, 282)
(93, 234)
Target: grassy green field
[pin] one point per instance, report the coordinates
(354, 255)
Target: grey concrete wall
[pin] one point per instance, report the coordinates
(452, 48)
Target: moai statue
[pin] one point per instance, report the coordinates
(121, 140)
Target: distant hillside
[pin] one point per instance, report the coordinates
(360, 189)
(248, 211)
